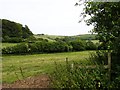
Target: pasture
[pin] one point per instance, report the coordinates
(21, 66)
(4, 45)
(53, 37)
(48, 37)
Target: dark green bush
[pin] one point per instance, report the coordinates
(30, 39)
(32, 48)
(90, 45)
(13, 32)
(99, 57)
(18, 49)
(8, 50)
(78, 45)
(37, 47)
(12, 39)
(44, 46)
(15, 40)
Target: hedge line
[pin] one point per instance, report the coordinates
(48, 47)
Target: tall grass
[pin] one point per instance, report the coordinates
(36, 64)
(72, 76)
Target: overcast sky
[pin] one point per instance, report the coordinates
(54, 17)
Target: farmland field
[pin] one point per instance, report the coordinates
(8, 44)
(53, 37)
(48, 37)
(32, 65)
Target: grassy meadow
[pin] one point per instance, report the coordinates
(31, 65)
(36, 64)
(4, 45)
(48, 37)
(53, 37)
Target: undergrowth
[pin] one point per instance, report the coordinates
(72, 75)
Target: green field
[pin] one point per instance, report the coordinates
(48, 37)
(4, 45)
(36, 64)
(87, 36)
(53, 37)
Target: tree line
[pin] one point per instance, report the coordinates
(14, 32)
(49, 47)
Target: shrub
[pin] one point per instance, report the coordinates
(83, 78)
(30, 39)
(78, 45)
(38, 47)
(12, 39)
(90, 45)
(99, 57)
(15, 40)
(18, 49)
(21, 48)
(61, 46)
(8, 50)
(32, 48)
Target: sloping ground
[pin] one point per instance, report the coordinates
(41, 81)
(48, 37)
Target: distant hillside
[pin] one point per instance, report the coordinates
(16, 32)
(54, 37)
(12, 31)
(48, 37)
(87, 36)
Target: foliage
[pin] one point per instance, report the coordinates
(14, 32)
(99, 57)
(44, 46)
(116, 76)
(78, 45)
(17, 49)
(12, 39)
(90, 45)
(30, 39)
(37, 47)
(66, 76)
(26, 32)
(104, 16)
